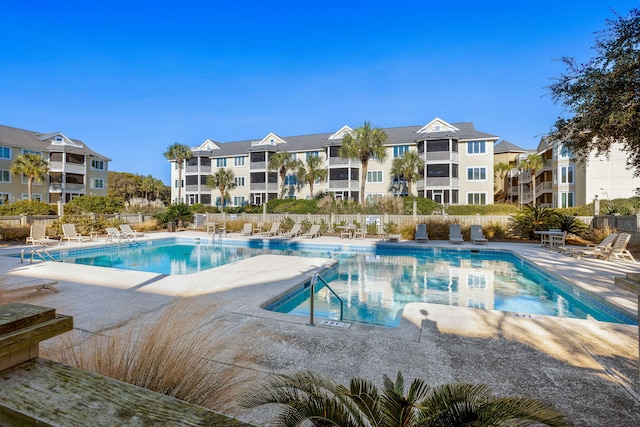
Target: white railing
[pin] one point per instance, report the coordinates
(263, 186)
(345, 184)
(334, 161)
(442, 155)
(257, 165)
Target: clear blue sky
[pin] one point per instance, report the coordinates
(129, 78)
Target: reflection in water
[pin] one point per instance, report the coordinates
(375, 288)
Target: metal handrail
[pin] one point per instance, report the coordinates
(43, 255)
(312, 286)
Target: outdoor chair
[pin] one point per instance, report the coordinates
(69, 233)
(421, 233)
(477, 237)
(619, 248)
(38, 236)
(598, 250)
(455, 234)
(295, 231)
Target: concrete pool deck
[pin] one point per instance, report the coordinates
(588, 369)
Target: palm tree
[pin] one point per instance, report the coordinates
(533, 163)
(311, 170)
(501, 169)
(282, 162)
(147, 185)
(223, 180)
(32, 166)
(179, 153)
(363, 144)
(408, 167)
(307, 396)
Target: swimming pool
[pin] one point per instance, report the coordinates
(375, 282)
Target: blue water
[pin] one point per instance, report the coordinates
(376, 284)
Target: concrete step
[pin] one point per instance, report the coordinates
(634, 277)
(628, 285)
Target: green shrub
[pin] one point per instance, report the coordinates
(179, 214)
(94, 204)
(524, 223)
(570, 224)
(287, 223)
(25, 207)
(499, 209)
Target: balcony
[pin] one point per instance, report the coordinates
(340, 161)
(257, 165)
(443, 155)
(68, 188)
(67, 167)
(438, 182)
(198, 169)
(197, 189)
(344, 185)
(544, 187)
(264, 186)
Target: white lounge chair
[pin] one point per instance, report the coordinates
(129, 232)
(113, 234)
(69, 232)
(273, 231)
(38, 236)
(598, 250)
(296, 230)
(12, 285)
(314, 231)
(247, 229)
(421, 233)
(477, 237)
(619, 248)
(455, 234)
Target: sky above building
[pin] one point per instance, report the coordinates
(129, 78)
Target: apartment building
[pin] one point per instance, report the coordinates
(458, 166)
(565, 181)
(74, 169)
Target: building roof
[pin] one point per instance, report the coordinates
(403, 135)
(38, 141)
(505, 146)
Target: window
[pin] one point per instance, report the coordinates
(39, 153)
(221, 163)
(566, 200)
(34, 197)
(565, 152)
(476, 147)
(5, 198)
(476, 198)
(238, 161)
(477, 174)
(97, 165)
(238, 200)
(5, 176)
(399, 150)
(25, 180)
(290, 179)
(239, 180)
(5, 153)
(566, 175)
(97, 183)
(373, 197)
(312, 154)
(374, 176)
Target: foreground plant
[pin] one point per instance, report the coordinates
(308, 396)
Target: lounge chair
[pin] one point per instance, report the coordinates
(619, 248)
(455, 235)
(296, 230)
(69, 232)
(247, 229)
(273, 231)
(421, 233)
(314, 231)
(598, 250)
(38, 236)
(360, 233)
(113, 233)
(129, 232)
(477, 237)
(8, 286)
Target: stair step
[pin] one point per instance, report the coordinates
(628, 285)
(635, 277)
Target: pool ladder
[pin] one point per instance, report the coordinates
(312, 285)
(42, 254)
